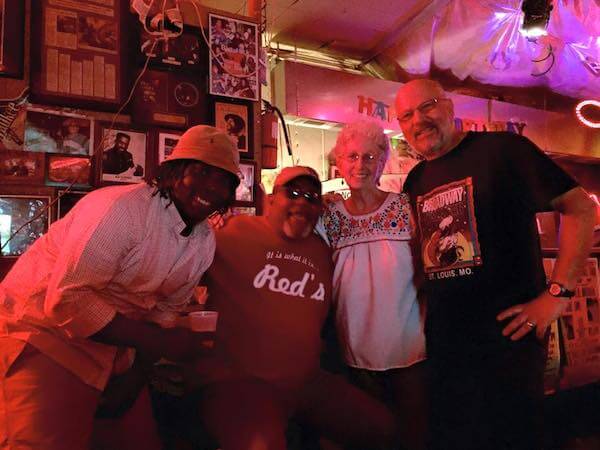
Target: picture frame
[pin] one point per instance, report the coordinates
(235, 119)
(16, 211)
(12, 33)
(170, 99)
(122, 154)
(54, 131)
(68, 170)
(166, 141)
(233, 61)
(66, 199)
(78, 53)
(20, 167)
(245, 193)
(182, 53)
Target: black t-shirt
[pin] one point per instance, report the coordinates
(475, 211)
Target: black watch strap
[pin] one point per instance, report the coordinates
(556, 289)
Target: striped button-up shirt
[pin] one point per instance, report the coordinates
(119, 250)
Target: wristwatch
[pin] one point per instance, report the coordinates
(558, 290)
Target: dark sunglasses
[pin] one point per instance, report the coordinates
(295, 194)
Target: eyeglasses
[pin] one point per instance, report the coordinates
(366, 157)
(295, 194)
(423, 108)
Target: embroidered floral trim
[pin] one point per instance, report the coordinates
(390, 221)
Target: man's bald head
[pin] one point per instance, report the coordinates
(426, 117)
(431, 87)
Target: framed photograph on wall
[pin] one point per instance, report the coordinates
(23, 219)
(234, 118)
(233, 67)
(68, 170)
(79, 52)
(12, 32)
(55, 132)
(122, 154)
(66, 201)
(167, 140)
(244, 193)
(19, 167)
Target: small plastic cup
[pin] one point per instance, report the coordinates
(202, 320)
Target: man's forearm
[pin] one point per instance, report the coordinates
(574, 245)
(125, 332)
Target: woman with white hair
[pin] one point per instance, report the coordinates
(378, 318)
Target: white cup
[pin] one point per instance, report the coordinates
(202, 320)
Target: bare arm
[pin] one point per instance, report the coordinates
(153, 342)
(578, 216)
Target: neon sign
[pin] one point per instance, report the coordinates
(582, 118)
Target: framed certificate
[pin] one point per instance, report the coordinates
(77, 54)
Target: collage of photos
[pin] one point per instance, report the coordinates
(63, 150)
(233, 58)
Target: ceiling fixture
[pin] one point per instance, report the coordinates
(587, 107)
(536, 15)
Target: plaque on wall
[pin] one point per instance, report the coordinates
(184, 52)
(170, 99)
(77, 54)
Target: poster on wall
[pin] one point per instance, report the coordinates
(123, 155)
(166, 143)
(233, 118)
(76, 52)
(23, 219)
(245, 190)
(12, 121)
(19, 167)
(580, 327)
(233, 57)
(55, 132)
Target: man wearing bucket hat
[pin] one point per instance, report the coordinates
(73, 307)
(235, 125)
(267, 345)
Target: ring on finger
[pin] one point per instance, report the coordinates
(530, 324)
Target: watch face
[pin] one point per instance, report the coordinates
(186, 94)
(554, 289)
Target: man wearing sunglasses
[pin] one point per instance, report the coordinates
(475, 198)
(271, 284)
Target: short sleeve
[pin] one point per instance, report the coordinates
(539, 179)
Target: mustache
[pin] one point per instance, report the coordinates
(424, 127)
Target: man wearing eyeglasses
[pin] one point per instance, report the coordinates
(271, 284)
(475, 198)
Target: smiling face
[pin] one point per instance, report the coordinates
(427, 126)
(202, 190)
(360, 163)
(295, 208)
(122, 143)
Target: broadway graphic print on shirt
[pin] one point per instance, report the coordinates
(446, 219)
